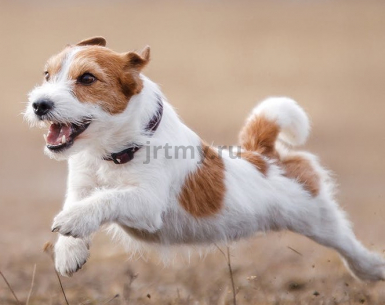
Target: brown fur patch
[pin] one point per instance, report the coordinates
(54, 64)
(116, 81)
(299, 168)
(203, 191)
(256, 160)
(259, 135)
(118, 75)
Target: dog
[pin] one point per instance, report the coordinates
(135, 166)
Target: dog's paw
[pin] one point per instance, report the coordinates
(77, 221)
(369, 266)
(70, 255)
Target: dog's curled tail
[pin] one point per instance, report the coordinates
(275, 118)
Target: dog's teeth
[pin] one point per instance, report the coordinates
(45, 137)
(63, 139)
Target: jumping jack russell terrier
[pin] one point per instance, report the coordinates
(109, 121)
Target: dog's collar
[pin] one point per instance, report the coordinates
(127, 154)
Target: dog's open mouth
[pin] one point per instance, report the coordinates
(61, 136)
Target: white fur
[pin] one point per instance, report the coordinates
(145, 196)
(70, 254)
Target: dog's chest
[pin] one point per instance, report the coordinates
(107, 176)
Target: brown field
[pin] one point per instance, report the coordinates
(214, 61)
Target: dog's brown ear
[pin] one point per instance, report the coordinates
(134, 63)
(94, 41)
(138, 61)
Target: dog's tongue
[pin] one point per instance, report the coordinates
(56, 133)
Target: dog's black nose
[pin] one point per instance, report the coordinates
(42, 106)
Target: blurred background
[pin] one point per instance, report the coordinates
(214, 61)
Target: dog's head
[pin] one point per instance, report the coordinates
(83, 86)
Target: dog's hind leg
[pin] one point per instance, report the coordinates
(319, 218)
(326, 224)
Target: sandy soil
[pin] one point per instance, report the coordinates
(214, 60)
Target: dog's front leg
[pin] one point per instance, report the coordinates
(70, 254)
(134, 207)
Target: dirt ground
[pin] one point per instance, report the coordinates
(214, 61)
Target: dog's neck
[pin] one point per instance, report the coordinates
(128, 153)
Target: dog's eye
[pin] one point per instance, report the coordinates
(46, 75)
(86, 79)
